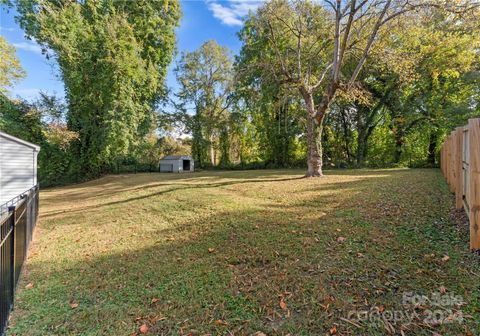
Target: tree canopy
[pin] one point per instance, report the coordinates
(205, 78)
(113, 58)
(332, 83)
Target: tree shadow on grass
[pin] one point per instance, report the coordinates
(255, 258)
(179, 187)
(122, 186)
(228, 271)
(107, 186)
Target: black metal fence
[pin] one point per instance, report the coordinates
(16, 229)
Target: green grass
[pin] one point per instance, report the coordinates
(221, 250)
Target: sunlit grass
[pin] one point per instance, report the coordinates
(218, 251)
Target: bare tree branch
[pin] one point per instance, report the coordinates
(371, 39)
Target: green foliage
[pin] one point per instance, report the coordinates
(113, 57)
(420, 79)
(41, 123)
(20, 119)
(205, 78)
(269, 71)
(422, 83)
(10, 68)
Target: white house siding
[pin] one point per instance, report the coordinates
(18, 168)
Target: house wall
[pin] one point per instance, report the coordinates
(18, 168)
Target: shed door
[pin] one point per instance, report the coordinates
(186, 165)
(166, 168)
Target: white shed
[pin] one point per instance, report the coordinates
(176, 164)
(18, 166)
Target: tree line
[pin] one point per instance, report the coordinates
(333, 83)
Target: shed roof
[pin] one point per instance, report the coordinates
(20, 141)
(176, 157)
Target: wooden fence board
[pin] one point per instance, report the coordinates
(460, 164)
(474, 170)
(459, 167)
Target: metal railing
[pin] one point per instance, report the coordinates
(4, 207)
(16, 229)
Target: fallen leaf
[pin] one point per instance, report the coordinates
(381, 309)
(29, 286)
(73, 305)
(333, 330)
(154, 300)
(143, 329)
(259, 333)
(221, 322)
(211, 250)
(360, 255)
(445, 258)
(341, 239)
(283, 305)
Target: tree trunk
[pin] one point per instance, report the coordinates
(314, 134)
(361, 149)
(347, 135)
(324, 105)
(213, 156)
(314, 148)
(432, 149)
(399, 141)
(361, 138)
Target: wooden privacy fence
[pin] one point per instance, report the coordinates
(460, 164)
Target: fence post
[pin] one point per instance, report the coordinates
(13, 218)
(449, 162)
(474, 168)
(459, 167)
(442, 159)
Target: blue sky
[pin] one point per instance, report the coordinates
(202, 21)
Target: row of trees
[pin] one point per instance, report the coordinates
(346, 83)
(361, 83)
(112, 57)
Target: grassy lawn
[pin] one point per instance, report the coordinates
(243, 252)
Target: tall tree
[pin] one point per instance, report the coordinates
(314, 48)
(287, 43)
(113, 57)
(205, 78)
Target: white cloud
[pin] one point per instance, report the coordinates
(231, 12)
(28, 46)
